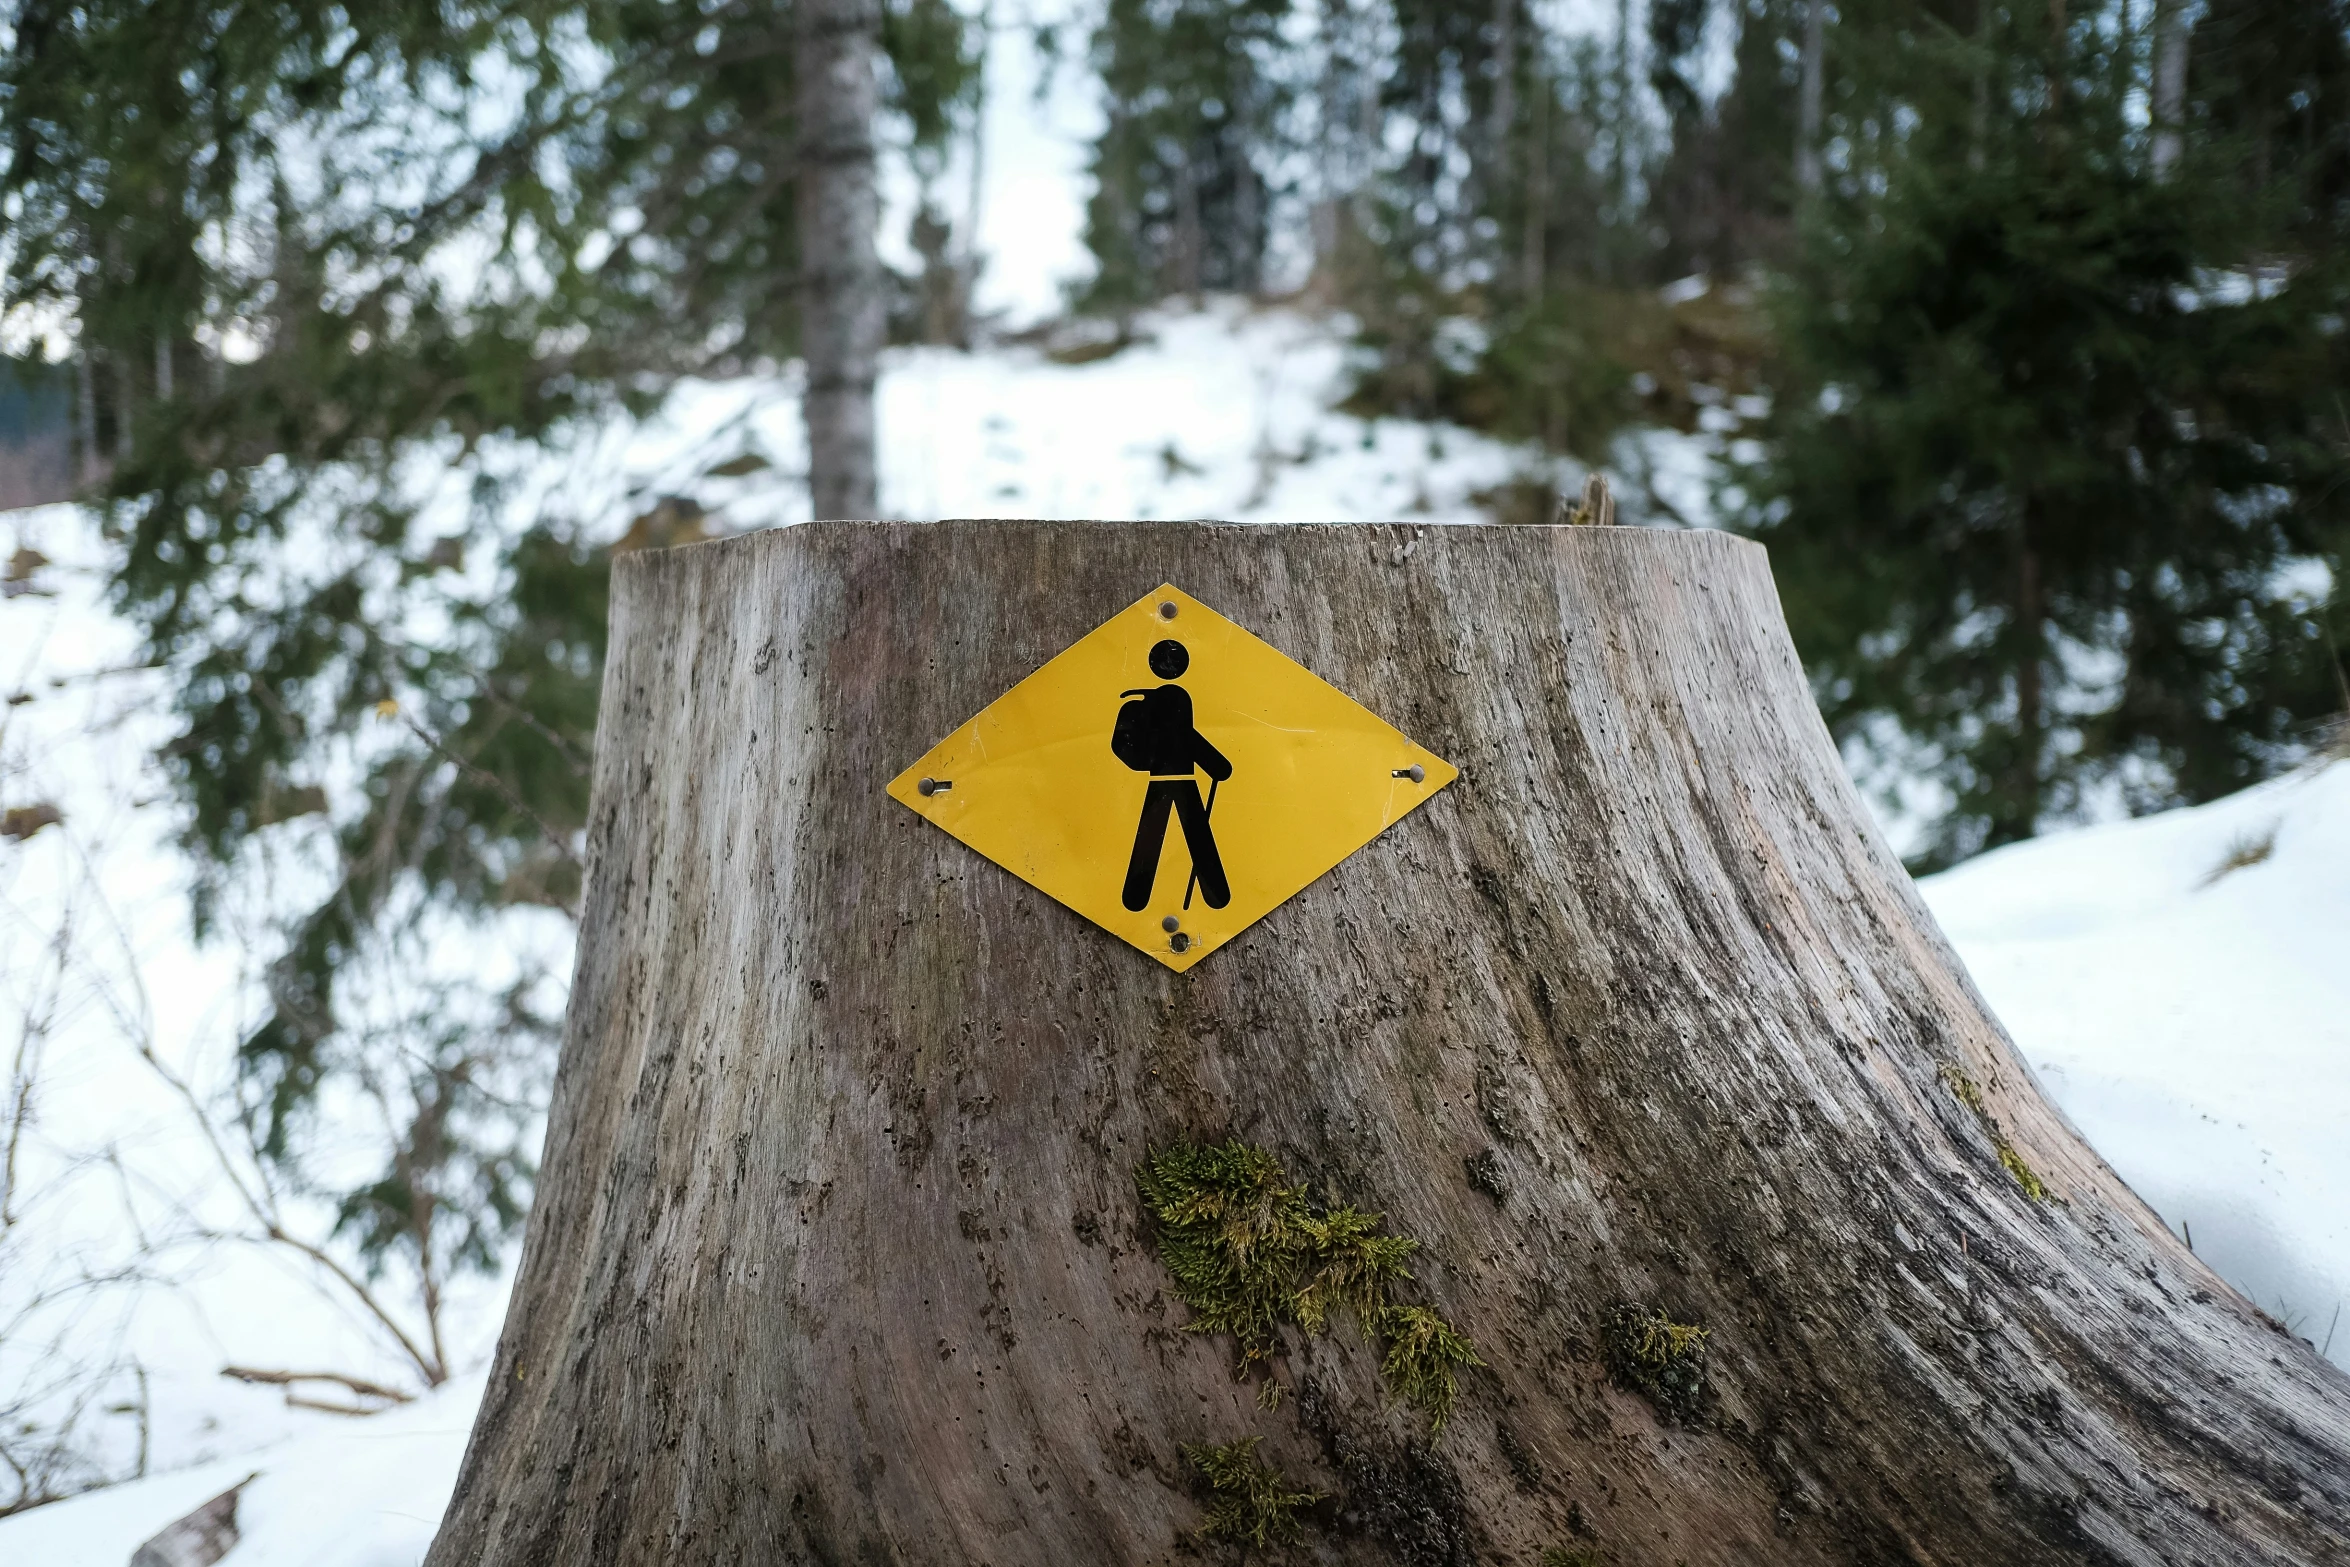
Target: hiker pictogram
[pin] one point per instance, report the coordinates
(1154, 734)
(1042, 779)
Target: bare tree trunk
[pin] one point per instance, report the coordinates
(1248, 228)
(838, 1254)
(1624, 115)
(1370, 122)
(85, 416)
(2170, 84)
(2031, 716)
(1979, 110)
(1504, 111)
(1535, 263)
(1808, 113)
(842, 313)
(974, 206)
(2059, 66)
(1189, 232)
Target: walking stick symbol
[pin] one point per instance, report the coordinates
(1210, 814)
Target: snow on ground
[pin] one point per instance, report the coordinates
(363, 1493)
(1225, 411)
(2181, 985)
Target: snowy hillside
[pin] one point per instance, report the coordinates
(1221, 412)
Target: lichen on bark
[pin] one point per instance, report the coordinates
(1647, 1352)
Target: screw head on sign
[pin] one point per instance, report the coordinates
(930, 786)
(1170, 923)
(1167, 610)
(1416, 773)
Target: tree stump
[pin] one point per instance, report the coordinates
(839, 1256)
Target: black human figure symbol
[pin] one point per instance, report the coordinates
(1154, 735)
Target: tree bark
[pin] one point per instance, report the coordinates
(1809, 93)
(843, 317)
(2018, 816)
(1503, 116)
(838, 1255)
(2172, 27)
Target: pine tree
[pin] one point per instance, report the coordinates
(1506, 210)
(2056, 455)
(1182, 200)
(310, 253)
(2272, 80)
(1724, 193)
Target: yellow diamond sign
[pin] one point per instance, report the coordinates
(1171, 777)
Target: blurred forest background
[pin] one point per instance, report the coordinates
(2030, 318)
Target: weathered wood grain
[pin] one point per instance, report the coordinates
(837, 1255)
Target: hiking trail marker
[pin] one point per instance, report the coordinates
(1171, 777)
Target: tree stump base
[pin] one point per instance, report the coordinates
(839, 1254)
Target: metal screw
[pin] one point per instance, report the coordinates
(930, 786)
(1167, 611)
(1416, 773)
(1170, 923)
(1180, 942)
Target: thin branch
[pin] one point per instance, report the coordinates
(358, 1385)
(433, 1372)
(265, 1214)
(297, 1401)
(557, 841)
(579, 765)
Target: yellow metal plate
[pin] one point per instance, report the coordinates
(1096, 778)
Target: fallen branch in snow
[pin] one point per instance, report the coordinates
(259, 1198)
(360, 1387)
(358, 1384)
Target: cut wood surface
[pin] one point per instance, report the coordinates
(838, 1253)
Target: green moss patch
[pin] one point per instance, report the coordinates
(1424, 1353)
(1232, 1233)
(2024, 1175)
(1969, 1093)
(1250, 1254)
(1649, 1353)
(1250, 1501)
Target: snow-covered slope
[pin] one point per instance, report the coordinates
(1225, 411)
(2181, 984)
(368, 1493)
